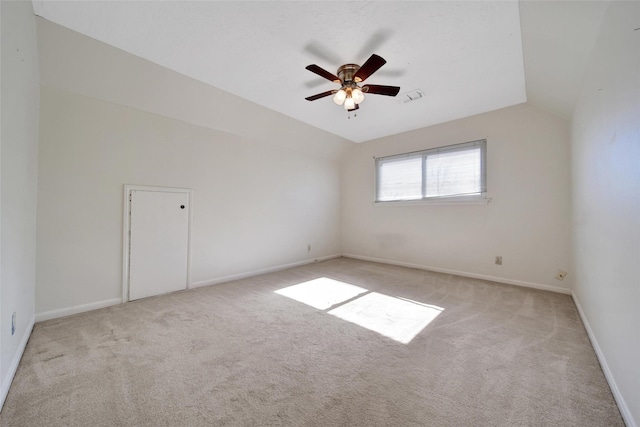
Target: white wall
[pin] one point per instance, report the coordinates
(265, 185)
(606, 202)
(255, 205)
(18, 168)
(526, 222)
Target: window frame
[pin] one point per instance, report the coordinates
(473, 198)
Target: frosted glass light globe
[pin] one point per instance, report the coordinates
(357, 96)
(339, 97)
(349, 104)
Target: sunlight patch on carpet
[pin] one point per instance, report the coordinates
(321, 293)
(400, 319)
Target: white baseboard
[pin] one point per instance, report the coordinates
(6, 384)
(464, 274)
(68, 311)
(252, 273)
(622, 404)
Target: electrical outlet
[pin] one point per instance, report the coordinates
(498, 260)
(13, 323)
(561, 274)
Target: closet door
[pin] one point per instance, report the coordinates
(158, 242)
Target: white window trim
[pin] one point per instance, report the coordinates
(473, 199)
(479, 199)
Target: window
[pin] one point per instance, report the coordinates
(453, 171)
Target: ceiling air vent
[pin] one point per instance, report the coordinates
(414, 95)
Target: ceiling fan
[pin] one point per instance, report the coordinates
(351, 93)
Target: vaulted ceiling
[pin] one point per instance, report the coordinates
(465, 57)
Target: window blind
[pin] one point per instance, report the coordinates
(455, 170)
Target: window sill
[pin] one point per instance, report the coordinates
(451, 201)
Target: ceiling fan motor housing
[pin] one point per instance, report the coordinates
(347, 71)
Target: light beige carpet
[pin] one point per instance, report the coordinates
(416, 349)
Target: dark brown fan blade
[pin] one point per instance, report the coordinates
(381, 90)
(323, 73)
(320, 95)
(371, 66)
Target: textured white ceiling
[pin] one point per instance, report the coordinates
(466, 57)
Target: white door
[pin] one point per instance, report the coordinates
(158, 243)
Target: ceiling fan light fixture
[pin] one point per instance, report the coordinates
(357, 95)
(340, 96)
(348, 76)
